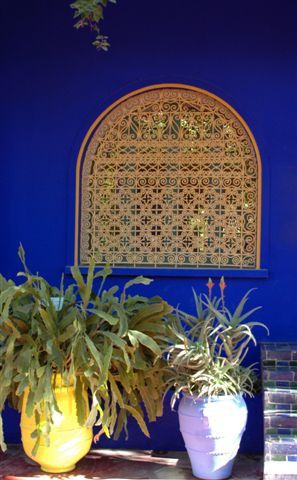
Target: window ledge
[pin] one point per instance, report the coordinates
(181, 272)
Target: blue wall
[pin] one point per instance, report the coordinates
(54, 84)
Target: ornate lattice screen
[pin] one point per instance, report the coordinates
(169, 176)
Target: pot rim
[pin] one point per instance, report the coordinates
(213, 398)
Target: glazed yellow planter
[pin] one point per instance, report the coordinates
(69, 441)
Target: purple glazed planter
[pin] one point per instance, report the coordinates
(212, 429)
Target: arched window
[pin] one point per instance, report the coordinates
(169, 176)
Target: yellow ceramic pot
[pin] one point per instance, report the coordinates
(69, 441)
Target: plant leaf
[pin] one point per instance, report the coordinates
(146, 341)
(138, 418)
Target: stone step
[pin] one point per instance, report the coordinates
(277, 385)
(280, 404)
(280, 397)
(279, 351)
(286, 374)
(281, 445)
(279, 363)
(280, 470)
(280, 457)
(282, 420)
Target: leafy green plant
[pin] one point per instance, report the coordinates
(89, 13)
(106, 341)
(206, 359)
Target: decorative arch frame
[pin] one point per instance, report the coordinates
(189, 88)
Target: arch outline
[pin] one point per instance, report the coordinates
(115, 104)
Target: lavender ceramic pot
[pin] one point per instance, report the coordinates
(212, 429)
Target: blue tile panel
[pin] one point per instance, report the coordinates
(279, 378)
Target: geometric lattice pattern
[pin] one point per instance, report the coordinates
(170, 178)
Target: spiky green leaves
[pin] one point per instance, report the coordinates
(206, 359)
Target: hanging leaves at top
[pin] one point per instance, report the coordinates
(89, 13)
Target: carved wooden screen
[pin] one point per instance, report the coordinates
(169, 176)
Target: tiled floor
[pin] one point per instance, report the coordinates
(123, 465)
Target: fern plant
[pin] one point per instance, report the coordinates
(207, 357)
(106, 341)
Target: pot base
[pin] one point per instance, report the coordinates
(69, 468)
(220, 474)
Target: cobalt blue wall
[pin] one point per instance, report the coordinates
(54, 84)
